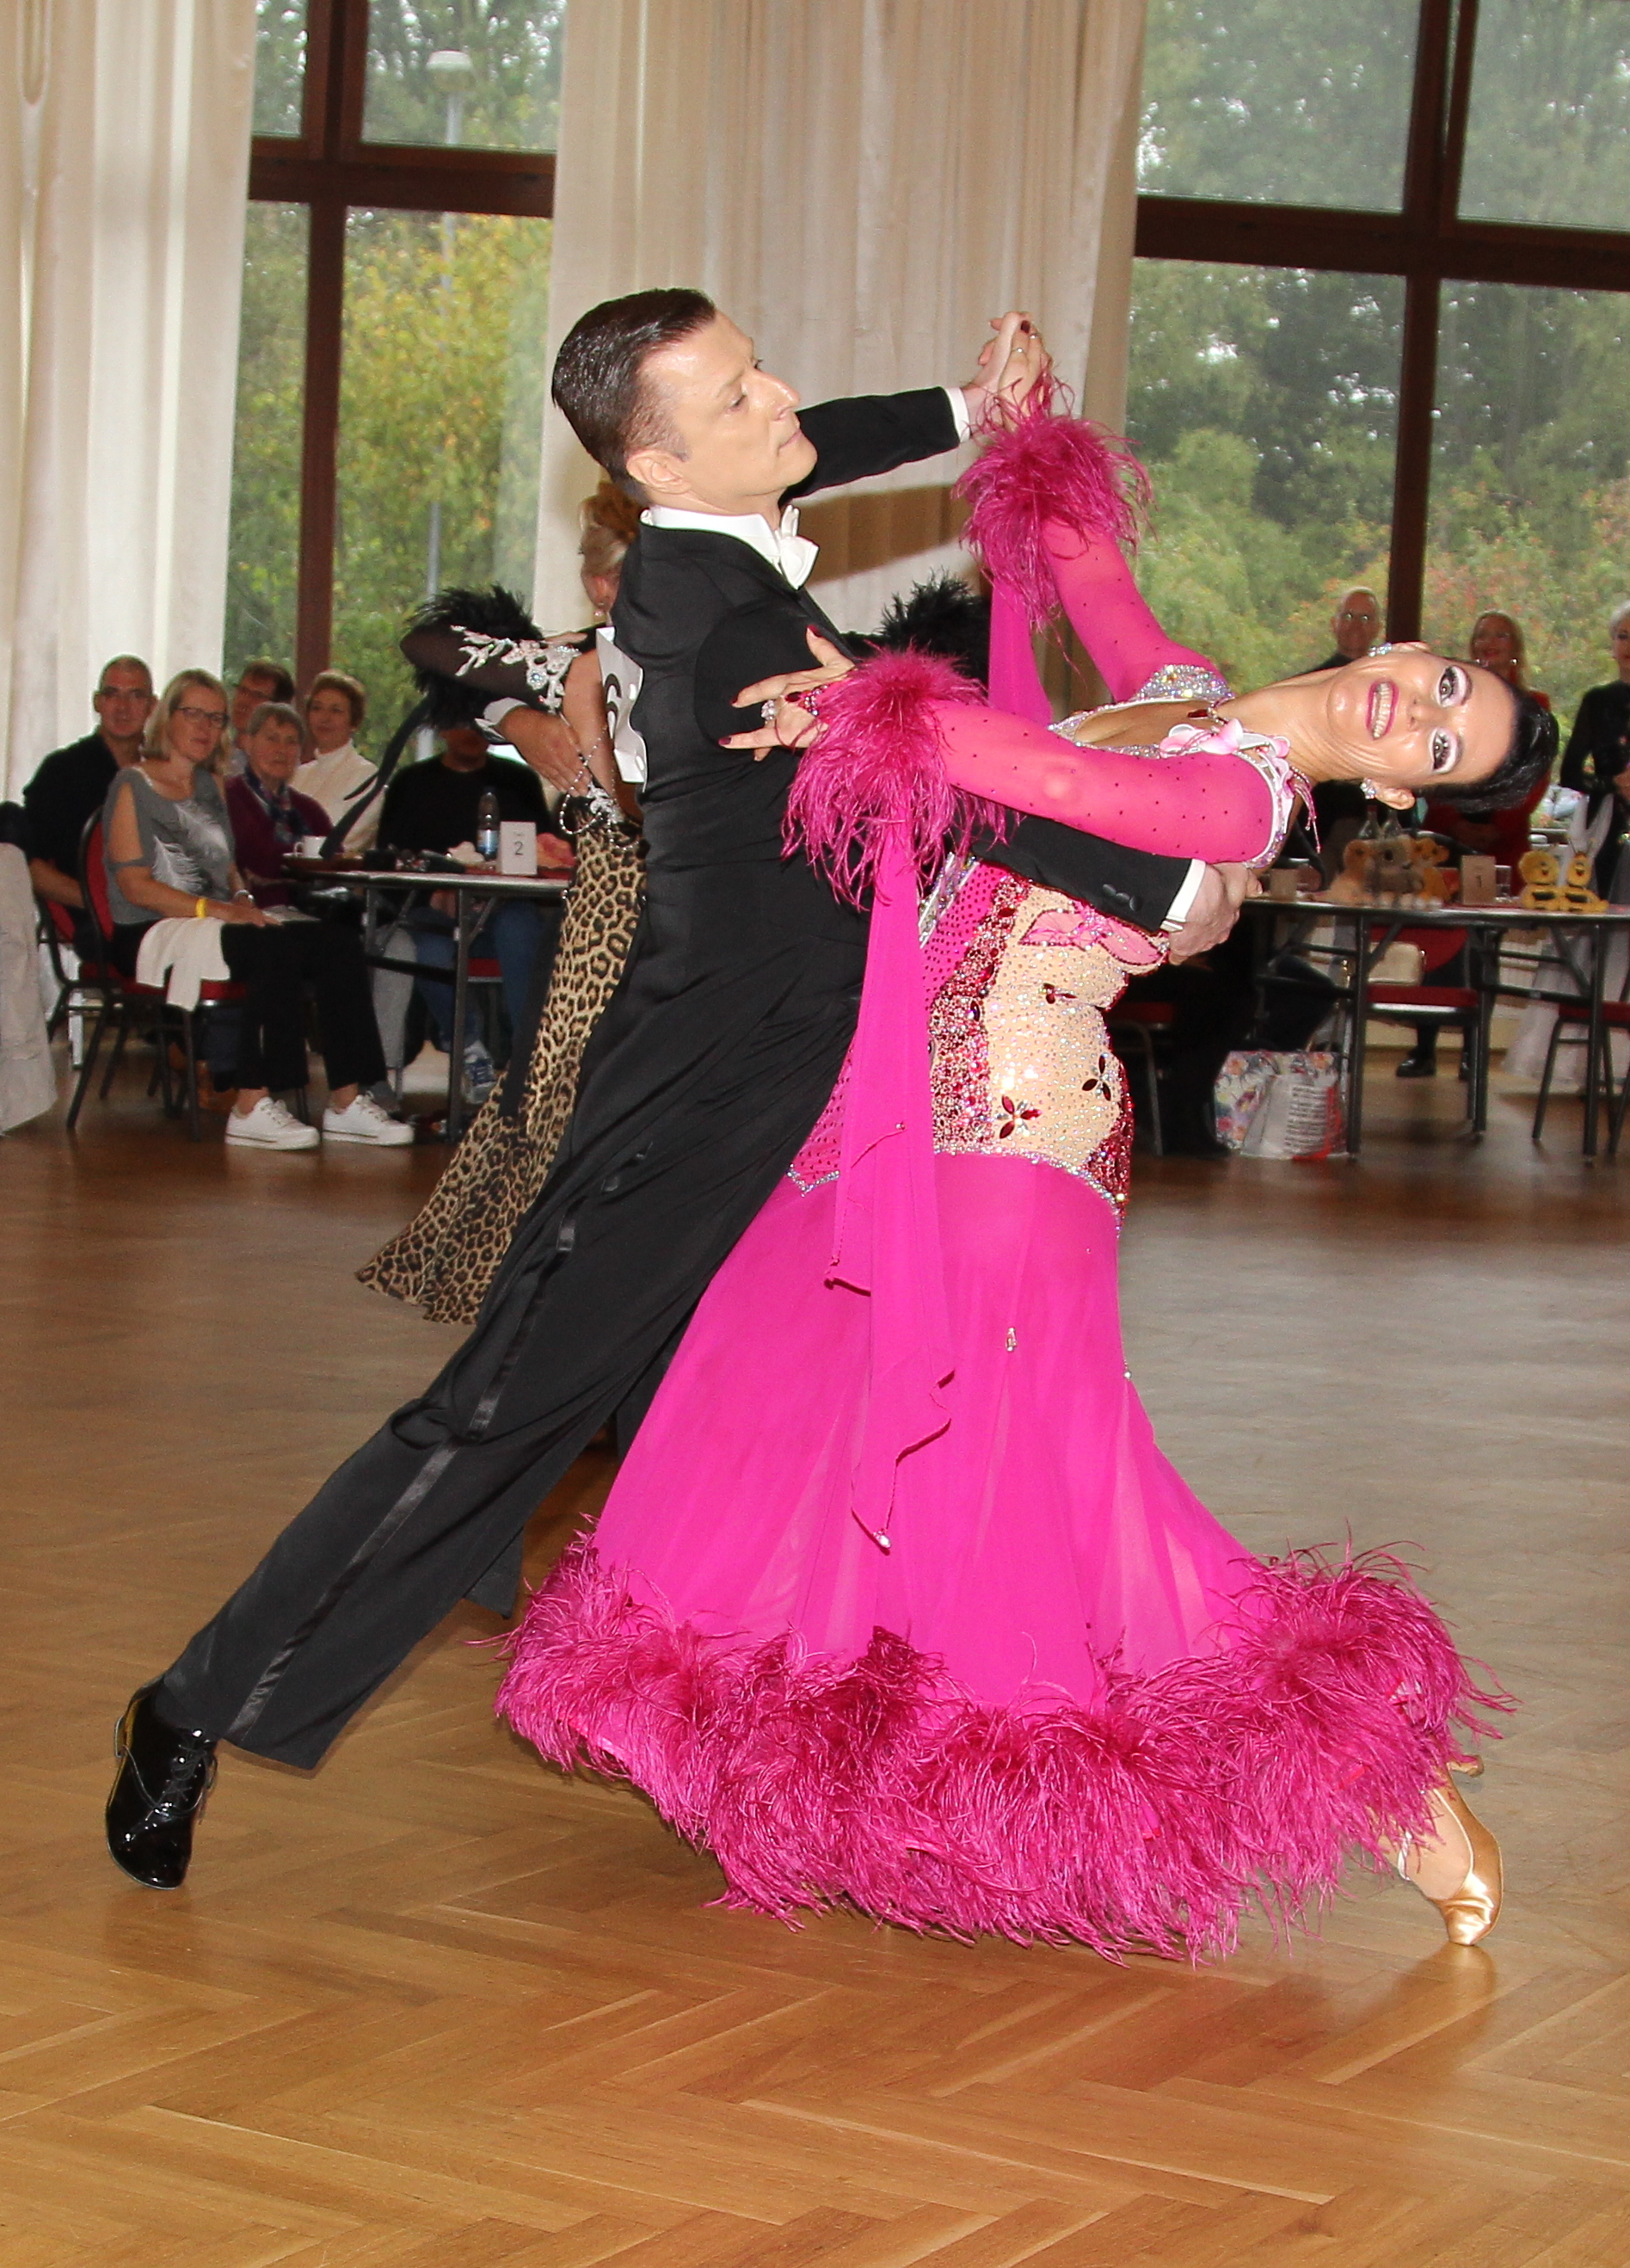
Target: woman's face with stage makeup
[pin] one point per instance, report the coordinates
(1412, 720)
(740, 442)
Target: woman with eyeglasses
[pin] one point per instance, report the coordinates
(167, 847)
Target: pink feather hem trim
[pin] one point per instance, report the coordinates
(1147, 1822)
(877, 768)
(1046, 472)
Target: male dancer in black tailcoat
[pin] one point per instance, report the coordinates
(702, 1080)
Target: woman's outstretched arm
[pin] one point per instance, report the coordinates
(1206, 802)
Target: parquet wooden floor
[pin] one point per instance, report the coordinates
(437, 2008)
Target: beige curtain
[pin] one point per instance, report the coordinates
(124, 153)
(861, 183)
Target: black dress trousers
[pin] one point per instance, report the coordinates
(682, 1129)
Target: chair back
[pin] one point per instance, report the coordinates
(93, 884)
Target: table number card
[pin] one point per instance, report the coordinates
(517, 847)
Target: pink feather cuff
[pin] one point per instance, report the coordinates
(1047, 470)
(877, 765)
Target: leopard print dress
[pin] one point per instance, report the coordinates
(447, 1255)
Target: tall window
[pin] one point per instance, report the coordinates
(395, 301)
(1381, 331)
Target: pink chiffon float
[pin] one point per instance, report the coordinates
(895, 1603)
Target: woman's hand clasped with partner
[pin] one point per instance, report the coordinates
(787, 723)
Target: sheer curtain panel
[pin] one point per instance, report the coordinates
(124, 159)
(860, 183)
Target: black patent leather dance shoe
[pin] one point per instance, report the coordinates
(165, 1774)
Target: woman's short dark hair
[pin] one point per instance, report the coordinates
(1529, 758)
(599, 373)
(349, 689)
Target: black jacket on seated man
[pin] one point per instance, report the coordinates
(700, 1083)
(69, 785)
(431, 807)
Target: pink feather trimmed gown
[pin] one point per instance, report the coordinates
(895, 1603)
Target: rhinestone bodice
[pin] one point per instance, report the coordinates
(1019, 979)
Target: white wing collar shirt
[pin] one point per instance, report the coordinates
(792, 555)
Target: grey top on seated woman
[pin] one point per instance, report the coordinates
(186, 845)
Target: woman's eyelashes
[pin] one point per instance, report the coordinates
(1453, 687)
(1444, 751)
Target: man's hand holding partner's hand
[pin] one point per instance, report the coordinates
(1010, 366)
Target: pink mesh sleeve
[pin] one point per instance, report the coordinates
(1200, 804)
(1108, 612)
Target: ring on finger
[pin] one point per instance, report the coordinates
(766, 710)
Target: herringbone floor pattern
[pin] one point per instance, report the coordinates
(437, 2008)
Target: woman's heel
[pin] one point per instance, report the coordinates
(1471, 1910)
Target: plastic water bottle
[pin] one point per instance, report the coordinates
(487, 825)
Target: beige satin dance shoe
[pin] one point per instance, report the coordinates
(1471, 1910)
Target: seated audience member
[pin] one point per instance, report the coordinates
(269, 815)
(1498, 646)
(73, 782)
(434, 807)
(1597, 760)
(336, 771)
(167, 846)
(1356, 625)
(1340, 806)
(257, 681)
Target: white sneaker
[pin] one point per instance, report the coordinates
(270, 1125)
(363, 1120)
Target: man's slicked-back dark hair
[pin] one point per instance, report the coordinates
(597, 383)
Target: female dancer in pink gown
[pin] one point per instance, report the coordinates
(895, 1602)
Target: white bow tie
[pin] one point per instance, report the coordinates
(795, 554)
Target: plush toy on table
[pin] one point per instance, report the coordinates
(1393, 875)
(1435, 879)
(1541, 873)
(1578, 897)
(1351, 886)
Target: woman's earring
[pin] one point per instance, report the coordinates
(1371, 790)
(1385, 647)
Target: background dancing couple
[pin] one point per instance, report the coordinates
(894, 1602)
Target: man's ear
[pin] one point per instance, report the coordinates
(658, 472)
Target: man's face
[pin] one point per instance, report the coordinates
(123, 701)
(247, 695)
(740, 442)
(463, 749)
(1357, 624)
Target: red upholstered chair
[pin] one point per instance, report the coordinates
(1575, 1016)
(143, 1003)
(81, 993)
(1132, 1024)
(1462, 1007)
